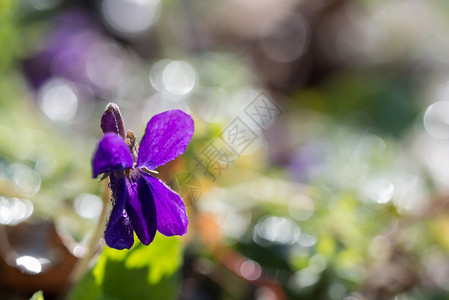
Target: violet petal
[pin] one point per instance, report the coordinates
(141, 210)
(166, 136)
(170, 209)
(119, 232)
(112, 154)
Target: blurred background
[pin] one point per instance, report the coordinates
(319, 167)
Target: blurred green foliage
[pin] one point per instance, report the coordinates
(143, 272)
(37, 296)
(346, 127)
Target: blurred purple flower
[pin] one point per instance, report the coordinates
(76, 50)
(142, 203)
(64, 50)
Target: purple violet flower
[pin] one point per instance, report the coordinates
(142, 203)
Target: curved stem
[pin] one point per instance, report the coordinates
(82, 265)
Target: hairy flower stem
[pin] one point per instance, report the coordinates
(83, 264)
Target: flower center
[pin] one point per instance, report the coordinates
(133, 174)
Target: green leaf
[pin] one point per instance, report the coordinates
(143, 272)
(37, 296)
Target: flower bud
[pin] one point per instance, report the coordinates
(112, 121)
